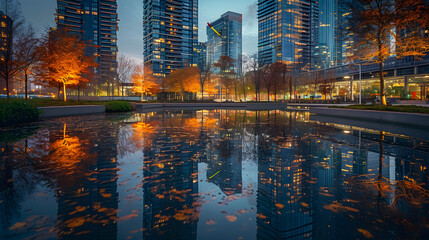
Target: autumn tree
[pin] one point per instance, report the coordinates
(144, 82)
(205, 75)
(225, 65)
(63, 59)
(377, 25)
(184, 80)
(126, 67)
(9, 64)
(27, 56)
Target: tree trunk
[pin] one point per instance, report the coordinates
(244, 92)
(268, 94)
(236, 95)
(275, 93)
(59, 90)
(382, 96)
(141, 97)
(64, 93)
(78, 93)
(26, 84)
(7, 87)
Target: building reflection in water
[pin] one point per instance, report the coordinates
(170, 187)
(314, 180)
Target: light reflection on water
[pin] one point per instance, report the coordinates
(221, 174)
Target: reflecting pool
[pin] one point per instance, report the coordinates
(213, 174)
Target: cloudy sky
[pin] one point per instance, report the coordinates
(40, 13)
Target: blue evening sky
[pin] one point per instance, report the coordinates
(40, 13)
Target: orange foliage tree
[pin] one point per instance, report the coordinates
(184, 80)
(377, 25)
(144, 82)
(63, 60)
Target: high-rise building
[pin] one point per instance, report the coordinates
(200, 52)
(6, 46)
(170, 34)
(96, 22)
(326, 47)
(288, 32)
(229, 43)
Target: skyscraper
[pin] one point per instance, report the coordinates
(5, 42)
(327, 35)
(288, 32)
(229, 25)
(96, 22)
(170, 34)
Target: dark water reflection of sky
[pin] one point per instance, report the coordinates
(221, 174)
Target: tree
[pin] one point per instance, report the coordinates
(205, 75)
(257, 71)
(192, 79)
(27, 56)
(9, 65)
(274, 79)
(126, 67)
(225, 65)
(144, 82)
(376, 25)
(63, 59)
(184, 80)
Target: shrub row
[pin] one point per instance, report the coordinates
(397, 108)
(16, 112)
(118, 106)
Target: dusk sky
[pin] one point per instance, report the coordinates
(40, 13)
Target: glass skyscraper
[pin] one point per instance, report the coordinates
(288, 32)
(200, 53)
(170, 34)
(96, 22)
(230, 44)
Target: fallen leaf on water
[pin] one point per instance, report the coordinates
(180, 216)
(80, 209)
(231, 218)
(365, 233)
(261, 216)
(210, 222)
(106, 195)
(128, 217)
(338, 207)
(241, 211)
(304, 204)
(18, 225)
(280, 206)
(75, 222)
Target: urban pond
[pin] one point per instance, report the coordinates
(211, 174)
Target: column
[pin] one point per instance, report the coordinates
(351, 91)
(406, 86)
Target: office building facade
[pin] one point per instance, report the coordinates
(170, 34)
(288, 32)
(230, 41)
(200, 53)
(96, 22)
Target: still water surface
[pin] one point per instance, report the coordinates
(221, 174)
